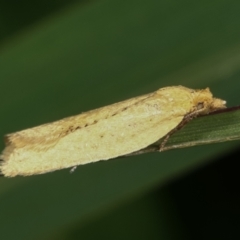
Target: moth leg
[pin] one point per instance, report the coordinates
(159, 145)
(73, 169)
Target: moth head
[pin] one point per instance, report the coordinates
(204, 102)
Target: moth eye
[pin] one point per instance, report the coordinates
(200, 105)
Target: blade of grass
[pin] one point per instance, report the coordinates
(89, 57)
(221, 126)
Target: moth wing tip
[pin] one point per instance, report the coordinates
(7, 139)
(1, 163)
(1, 173)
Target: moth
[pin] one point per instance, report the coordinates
(104, 133)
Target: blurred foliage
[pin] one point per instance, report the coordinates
(75, 57)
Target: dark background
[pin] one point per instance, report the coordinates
(59, 58)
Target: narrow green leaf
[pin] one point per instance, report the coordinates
(97, 54)
(219, 127)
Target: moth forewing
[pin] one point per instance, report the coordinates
(105, 133)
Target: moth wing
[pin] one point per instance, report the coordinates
(121, 129)
(46, 135)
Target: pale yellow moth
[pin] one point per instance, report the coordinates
(108, 132)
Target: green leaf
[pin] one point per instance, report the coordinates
(219, 127)
(95, 54)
